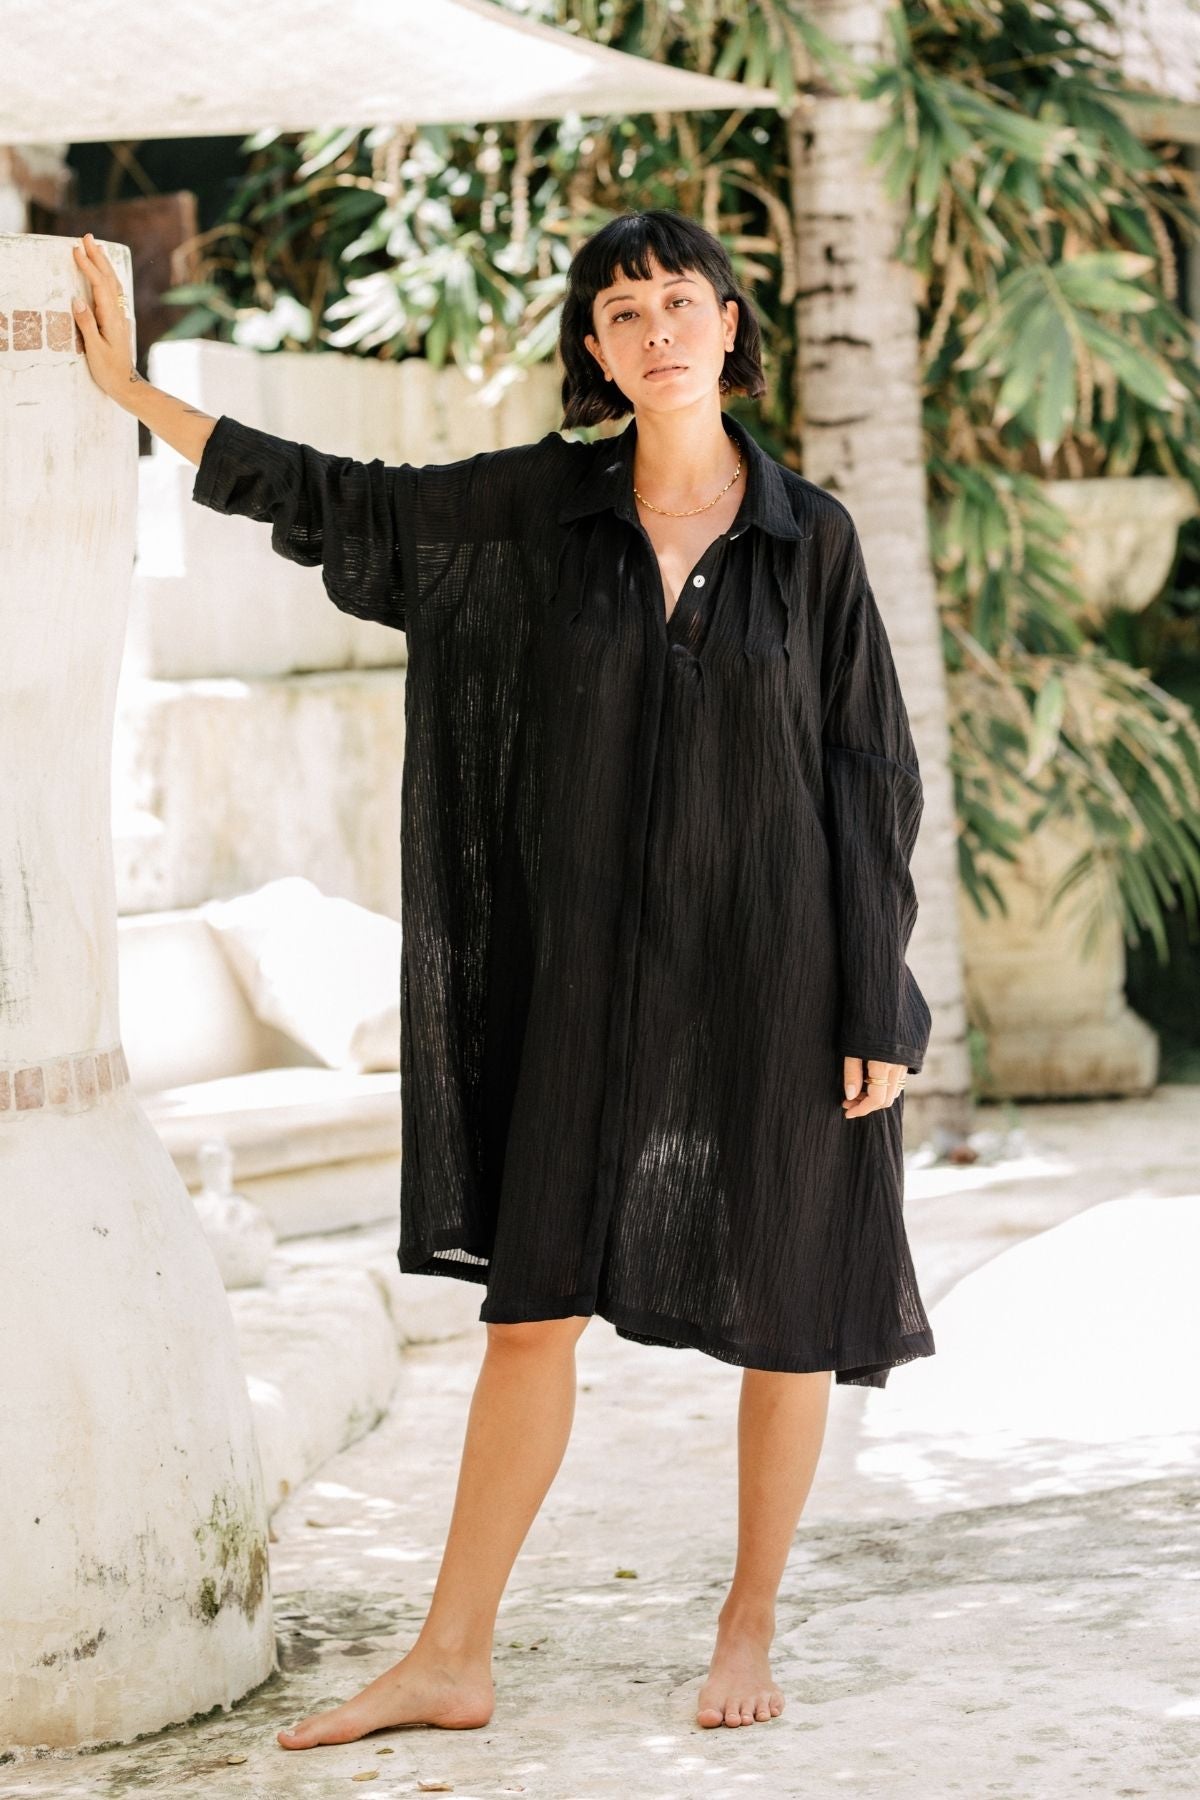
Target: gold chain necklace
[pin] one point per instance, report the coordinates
(693, 509)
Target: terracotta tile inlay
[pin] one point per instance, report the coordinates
(26, 331)
(72, 1083)
(59, 327)
(30, 1085)
(50, 330)
(58, 1081)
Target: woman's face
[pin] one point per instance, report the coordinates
(669, 321)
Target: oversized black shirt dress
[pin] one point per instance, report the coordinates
(655, 885)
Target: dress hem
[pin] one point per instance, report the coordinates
(851, 1366)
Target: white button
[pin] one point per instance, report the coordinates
(697, 581)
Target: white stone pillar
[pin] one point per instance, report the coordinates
(134, 1587)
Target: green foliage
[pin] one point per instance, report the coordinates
(1040, 229)
(453, 242)
(1041, 232)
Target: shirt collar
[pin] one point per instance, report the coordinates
(609, 483)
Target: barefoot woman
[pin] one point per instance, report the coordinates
(660, 798)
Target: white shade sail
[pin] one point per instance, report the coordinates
(1158, 43)
(97, 70)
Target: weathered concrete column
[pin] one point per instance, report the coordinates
(135, 1588)
(858, 385)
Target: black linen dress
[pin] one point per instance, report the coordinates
(655, 885)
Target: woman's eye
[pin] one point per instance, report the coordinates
(679, 300)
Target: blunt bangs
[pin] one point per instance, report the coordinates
(625, 247)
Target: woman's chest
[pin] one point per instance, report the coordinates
(739, 597)
(681, 547)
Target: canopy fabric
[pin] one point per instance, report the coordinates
(1158, 45)
(98, 70)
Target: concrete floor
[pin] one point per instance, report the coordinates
(992, 1592)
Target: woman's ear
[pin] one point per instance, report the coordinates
(593, 346)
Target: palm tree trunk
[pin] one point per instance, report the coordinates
(859, 398)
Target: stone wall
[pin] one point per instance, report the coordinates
(260, 731)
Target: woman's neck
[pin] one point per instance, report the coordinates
(683, 458)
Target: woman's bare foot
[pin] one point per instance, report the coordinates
(739, 1689)
(421, 1689)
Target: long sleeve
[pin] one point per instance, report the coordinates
(874, 802)
(388, 538)
(327, 510)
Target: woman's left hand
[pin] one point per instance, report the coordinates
(883, 1082)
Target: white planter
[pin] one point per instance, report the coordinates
(135, 1588)
(1122, 536)
(1051, 1004)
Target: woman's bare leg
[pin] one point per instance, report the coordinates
(781, 1427)
(517, 1432)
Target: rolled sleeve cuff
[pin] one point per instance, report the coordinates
(908, 1054)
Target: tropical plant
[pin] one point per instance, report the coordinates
(454, 242)
(1041, 231)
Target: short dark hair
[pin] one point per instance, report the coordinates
(625, 245)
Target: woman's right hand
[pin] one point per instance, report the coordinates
(107, 330)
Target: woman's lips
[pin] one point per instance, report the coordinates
(661, 374)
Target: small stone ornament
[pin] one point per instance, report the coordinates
(239, 1232)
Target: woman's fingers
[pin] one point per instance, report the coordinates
(86, 256)
(854, 1086)
(97, 256)
(105, 325)
(85, 263)
(106, 291)
(877, 1088)
(86, 319)
(883, 1077)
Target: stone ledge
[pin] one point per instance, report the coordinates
(322, 1341)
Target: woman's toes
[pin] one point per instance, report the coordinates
(763, 1708)
(294, 1737)
(336, 1727)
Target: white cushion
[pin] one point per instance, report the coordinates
(184, 1014)
(324, 970)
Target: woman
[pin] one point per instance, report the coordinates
(659, 801)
